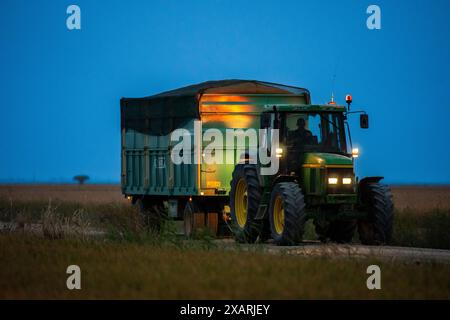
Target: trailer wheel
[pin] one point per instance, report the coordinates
(376, 228)
(152, 212)
(287, 213)
(245, 196)
(193, 219)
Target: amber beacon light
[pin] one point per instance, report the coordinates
(348, 99)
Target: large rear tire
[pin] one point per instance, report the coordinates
(376, 228)
(245, 196)
(287, 214)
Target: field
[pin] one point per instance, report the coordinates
(45, 228)
(417, 198)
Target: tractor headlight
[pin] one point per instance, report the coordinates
(332, 180)
(279, 152)
(347, 181)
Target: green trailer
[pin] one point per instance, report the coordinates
(314, 180)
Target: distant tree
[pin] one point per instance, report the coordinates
(81, 179)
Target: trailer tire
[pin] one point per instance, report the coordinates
(193, 219)
(376, 228)
(152, 213)
(245, 196)
(287, 213)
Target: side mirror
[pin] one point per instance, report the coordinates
(265, 120)
(364, 121)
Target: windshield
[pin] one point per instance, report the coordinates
(318, 132)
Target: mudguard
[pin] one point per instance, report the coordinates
(365, 181)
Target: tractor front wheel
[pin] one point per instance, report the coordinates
(376, 228)
(287, 214)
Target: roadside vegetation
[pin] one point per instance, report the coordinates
(412, 228)
(35, 269)
(120, 257)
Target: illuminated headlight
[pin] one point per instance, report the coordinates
(332, 180)
(278, 152)
(347, 181)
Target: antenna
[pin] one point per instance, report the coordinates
(333, 79)
(332, 99)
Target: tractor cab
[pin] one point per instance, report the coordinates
(315, 147)
(307, 130)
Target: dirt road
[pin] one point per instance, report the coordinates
(317, 249)
(306, 249)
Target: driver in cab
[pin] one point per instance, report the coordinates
(301, 136)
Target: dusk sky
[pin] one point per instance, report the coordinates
(60, 88)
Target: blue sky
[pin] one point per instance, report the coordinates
(60, 89)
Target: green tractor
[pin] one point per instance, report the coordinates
(316, 180)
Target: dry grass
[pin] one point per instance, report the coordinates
(36, 269)
(133, 262)
(57, 226)
(429, 229)
(422, 213)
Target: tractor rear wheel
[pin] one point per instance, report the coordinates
(287, 213)
(376, 228)
(245, 196)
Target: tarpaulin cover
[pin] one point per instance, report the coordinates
(162, 113)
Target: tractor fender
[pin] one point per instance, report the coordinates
(365, 181)
(250, 158)
(284, 178)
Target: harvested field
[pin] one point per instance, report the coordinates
(95, 193)
(419, 198)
